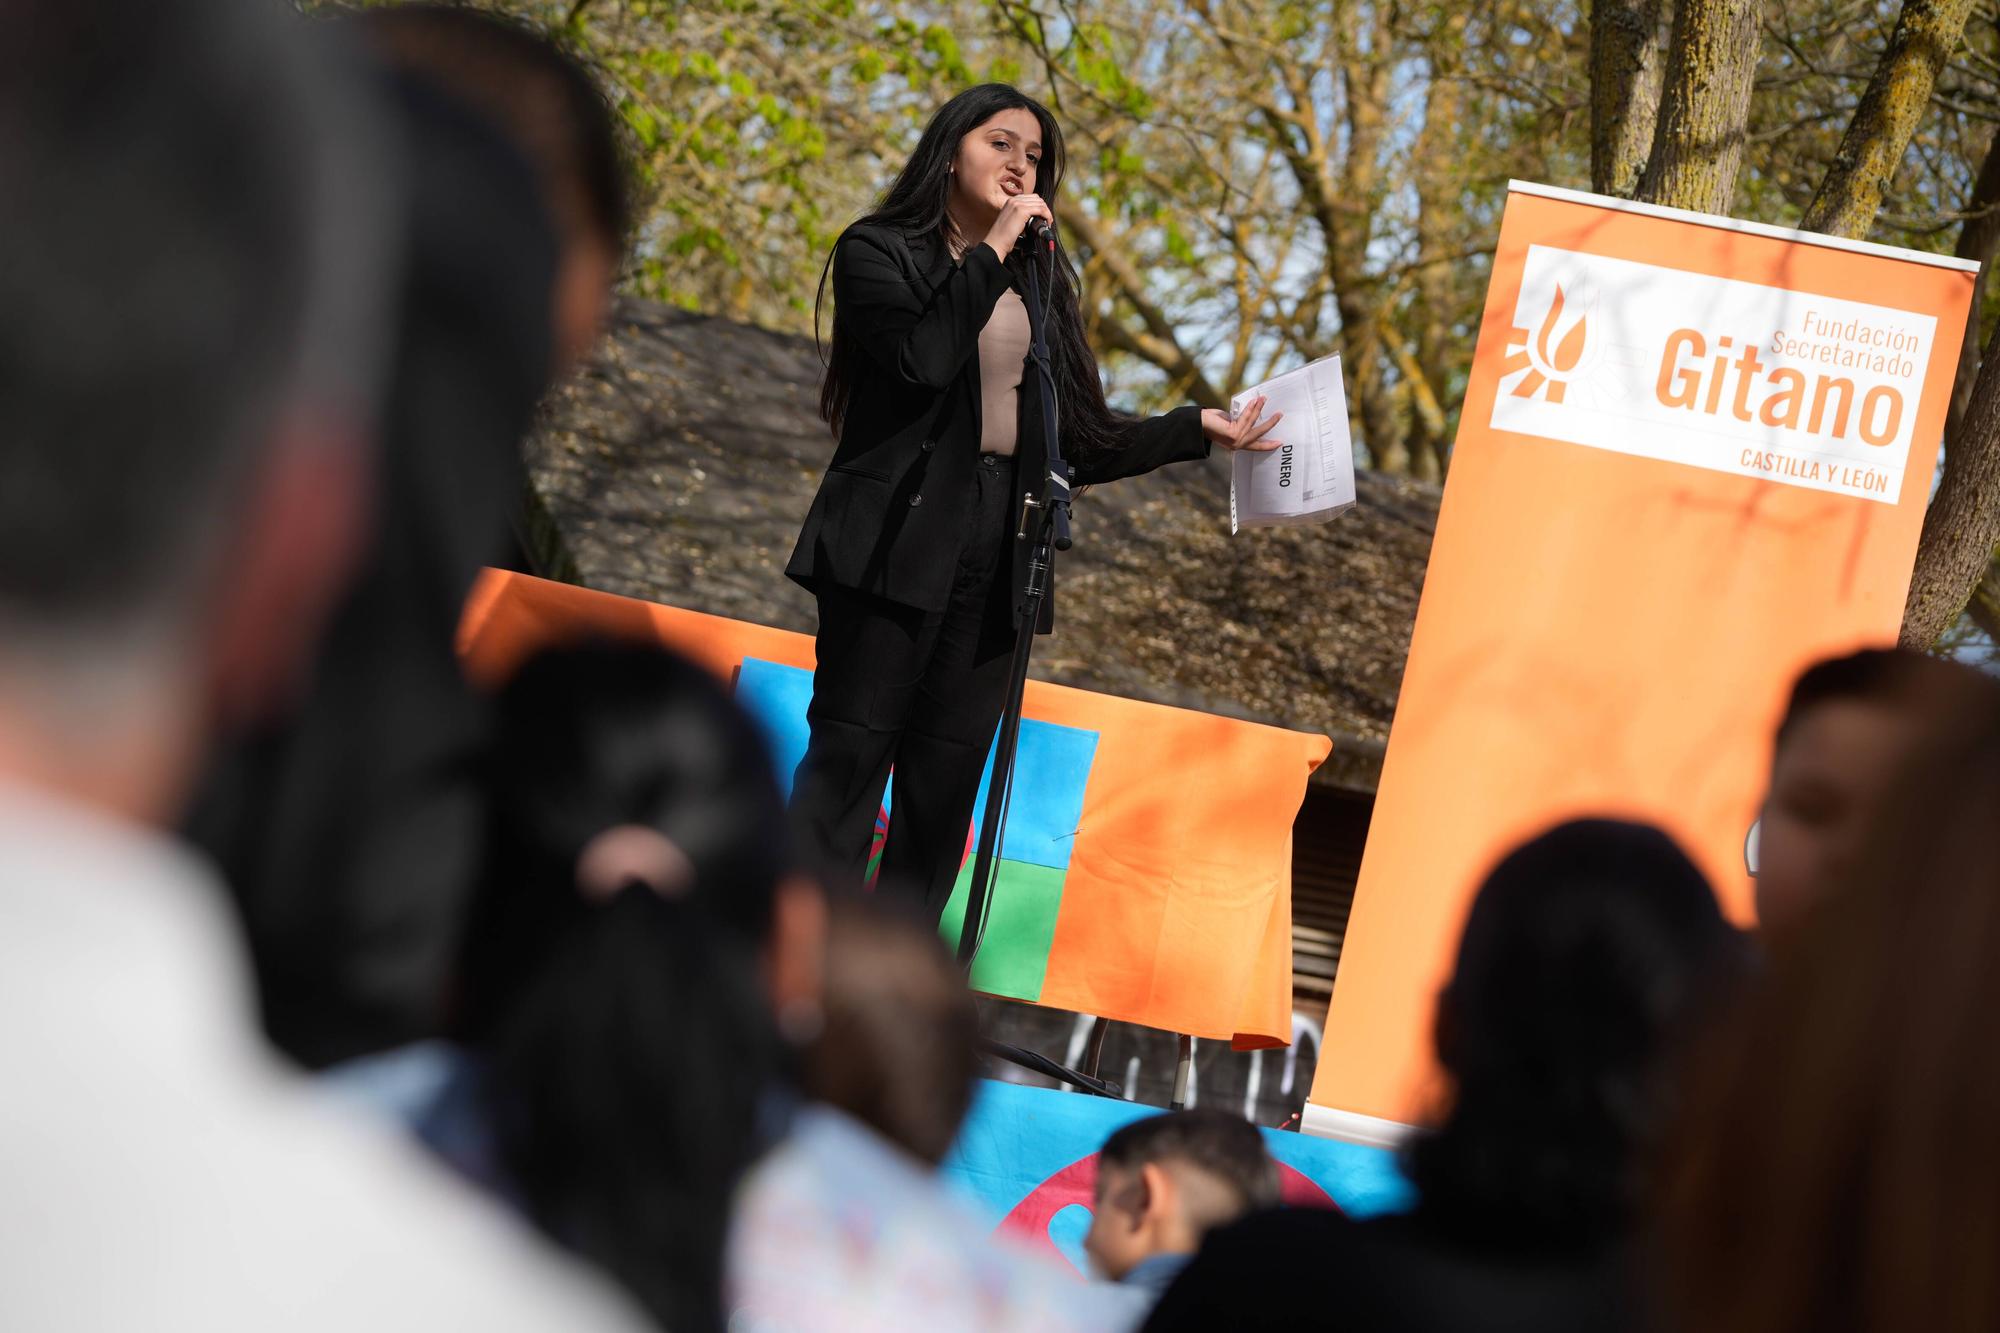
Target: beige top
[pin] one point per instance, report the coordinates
(1003, 347)
(1003, 351)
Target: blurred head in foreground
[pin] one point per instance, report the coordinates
(1851, 724)
(1166, 1181)
(1586, 952)
(192, 306)
(1837, 1166)
(633, 950)
(899, 1049)
(547, 107)
(349, 826)
(193, 311)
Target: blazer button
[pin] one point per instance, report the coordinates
(916, 499)
(929, 445)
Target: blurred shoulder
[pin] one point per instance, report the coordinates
(1295, 1259)
(1281, 1236)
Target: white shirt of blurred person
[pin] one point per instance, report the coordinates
(838, 1231)
(163, 1171)
(846, 1224)
(1851, 721)
(188, 363)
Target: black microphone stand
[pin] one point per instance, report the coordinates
(1044, 524)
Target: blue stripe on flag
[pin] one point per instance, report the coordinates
(1051, 770)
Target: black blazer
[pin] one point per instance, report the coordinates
(889, 518)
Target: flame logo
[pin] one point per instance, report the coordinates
(1570, 351)
(1545, 367)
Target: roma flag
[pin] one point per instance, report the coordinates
(1026, 1164)
(1146, 860)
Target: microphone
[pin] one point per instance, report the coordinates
(1038, 231)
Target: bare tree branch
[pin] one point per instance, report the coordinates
(1851, 192)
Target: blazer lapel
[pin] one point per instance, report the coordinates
(932, 259)
(931, 256)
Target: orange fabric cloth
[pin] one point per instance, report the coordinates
(1176, 909)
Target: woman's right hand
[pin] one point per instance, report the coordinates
(1013, 220)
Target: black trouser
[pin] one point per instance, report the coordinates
(922, 691)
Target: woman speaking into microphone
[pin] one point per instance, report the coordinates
(910, 545)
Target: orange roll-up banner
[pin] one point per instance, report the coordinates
(1693, 458)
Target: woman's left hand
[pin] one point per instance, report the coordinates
(1247, 431)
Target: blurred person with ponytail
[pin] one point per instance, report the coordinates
(641, 978)
(632, 953)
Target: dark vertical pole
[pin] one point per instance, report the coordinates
(1045, 523)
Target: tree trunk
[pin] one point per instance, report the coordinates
(1984, 608)
(1704, 105)
(1365, 79)
(1628, 44)
(1361, 359)
(1849, 196)
(1342, 187)
(1955, 555)
(1963, 523)
(1440, 199)
(1978, 239)
(1428, 445)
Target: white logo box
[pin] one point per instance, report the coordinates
(1612, 395)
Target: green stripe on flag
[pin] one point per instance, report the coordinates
(1020, 927)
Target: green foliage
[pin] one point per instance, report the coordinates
(1213, 153)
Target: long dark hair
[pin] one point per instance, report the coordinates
(1586, 952)
(626, 1043)
(915, 203)
(1835, 1168)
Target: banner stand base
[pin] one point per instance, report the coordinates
(1325, 1122)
